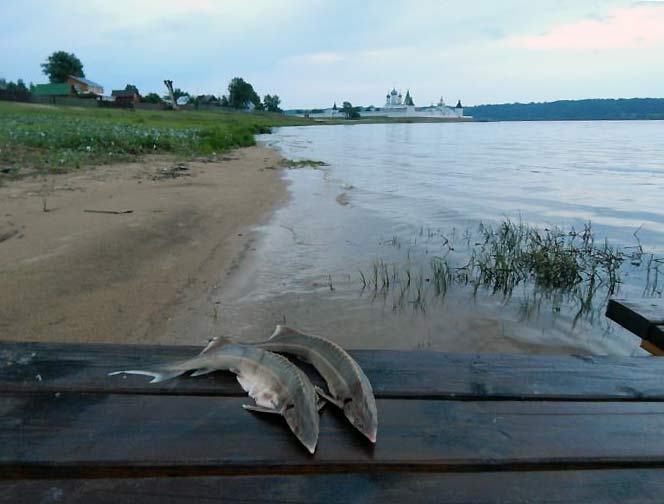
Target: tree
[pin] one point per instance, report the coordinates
(151, 98)
(271, 103)
(61, 65)
(14, 90)
(349, 111)
(223, 101)
(177, 93)
(241, 94)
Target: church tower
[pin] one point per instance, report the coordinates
(408, 101)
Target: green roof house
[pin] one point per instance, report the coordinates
(56, 89)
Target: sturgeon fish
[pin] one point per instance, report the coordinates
(349, 388)
(275, 384)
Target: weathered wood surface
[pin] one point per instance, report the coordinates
(26, 367)
(544, 487)
(643, 317)
(452, 428)
(92, 434)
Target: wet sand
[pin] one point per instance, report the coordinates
(70, 275)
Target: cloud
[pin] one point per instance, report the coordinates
(634, 27)
(312, 52)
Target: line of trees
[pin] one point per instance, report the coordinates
(241, 95)
(61, 64)
(14, 91)
(572, 110)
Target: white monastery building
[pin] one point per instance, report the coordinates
(399, 106)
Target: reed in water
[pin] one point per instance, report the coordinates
(561, 266)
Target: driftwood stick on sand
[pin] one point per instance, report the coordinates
(7, 235)
(114, 212)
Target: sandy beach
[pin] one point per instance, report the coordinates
(72, 271)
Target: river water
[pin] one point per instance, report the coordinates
(400, 194)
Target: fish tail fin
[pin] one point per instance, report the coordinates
(157, 375)
(217, 341)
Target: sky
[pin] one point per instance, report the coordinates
(312, 53)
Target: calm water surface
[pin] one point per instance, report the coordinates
(392, 191)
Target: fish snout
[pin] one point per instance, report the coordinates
(304, 426)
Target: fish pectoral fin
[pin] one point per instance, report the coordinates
(260, 409)
(327, 397)
(202, 371)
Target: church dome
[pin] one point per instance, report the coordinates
(394, 92)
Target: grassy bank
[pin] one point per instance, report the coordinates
(58, 139)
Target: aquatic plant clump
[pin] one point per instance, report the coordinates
(302, 163)
(551, 259)
(555, 264)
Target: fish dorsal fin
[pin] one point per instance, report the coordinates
(216, 342)
(282, 330)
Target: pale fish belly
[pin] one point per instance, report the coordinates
(260, 390)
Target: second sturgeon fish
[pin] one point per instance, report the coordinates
(275, 384)
(349, 388)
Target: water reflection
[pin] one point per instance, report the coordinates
(401, 178)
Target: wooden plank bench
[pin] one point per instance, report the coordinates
(453, 428)
(643, 317)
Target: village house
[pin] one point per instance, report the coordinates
(127, 96)
(54, 89)
(85, 86)
(207, 100)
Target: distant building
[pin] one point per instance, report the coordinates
(207, 100)
(85, 86)
(127, 96)
(54, 89)
(398, 106)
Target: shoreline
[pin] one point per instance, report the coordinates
(145, 276)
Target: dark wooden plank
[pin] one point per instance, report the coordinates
(85, 367)
(650, 310)
(546, 487)
(643, 317)
(84, 435)
(49, 367)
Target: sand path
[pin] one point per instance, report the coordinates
(68, 275)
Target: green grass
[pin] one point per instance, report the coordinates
(58, 139)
